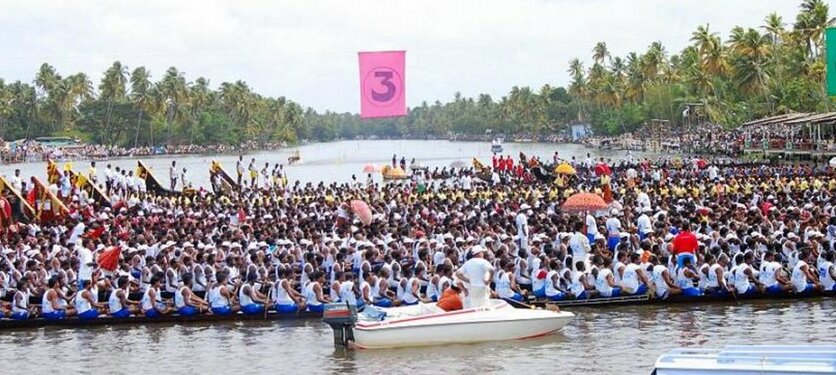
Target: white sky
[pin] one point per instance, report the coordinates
(306, 50)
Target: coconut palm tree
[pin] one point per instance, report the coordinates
(199, 96)
(79, 89)
(112, 88)
(48, 83)
(174, 91)
(600, 52)
(6, 107)
(773, 24)
(140, 95)
(811, 22)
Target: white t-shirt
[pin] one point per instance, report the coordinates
(522, 224)
(467, 183)
(476, 270)
(591, 225)
(85, 256)
(643, 224)
(613, 226)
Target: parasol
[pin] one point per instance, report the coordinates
(602, 169)
(369, 168)
(458, 164)
(362, 210)
(565, 168)
(584, 202)
(833, 162)
(109, 258)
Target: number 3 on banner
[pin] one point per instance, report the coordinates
(391, 89)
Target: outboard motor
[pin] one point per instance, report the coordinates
(341, 317)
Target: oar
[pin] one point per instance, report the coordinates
(734, 294)
(528, 306)
(518, 303)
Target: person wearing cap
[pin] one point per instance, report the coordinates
(685, 245)
(477, 273)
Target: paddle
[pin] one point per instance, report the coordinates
(525, 305)
(734, 294)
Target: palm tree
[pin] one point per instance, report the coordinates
(6, 107)
(774, 26)
(600, 52)
(112, 89)
(140, 95)
(811, 22)
(577, 87)
(48, 81)
(653, 60)
(199, 96)
(78, 89)
(174, 92)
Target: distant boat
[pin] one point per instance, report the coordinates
(746, 359)
(496, 146)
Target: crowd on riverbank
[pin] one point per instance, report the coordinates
(32, 151)
(687, 228)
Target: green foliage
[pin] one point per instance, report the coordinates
(757, 71)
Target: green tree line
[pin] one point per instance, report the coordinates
(773, 68)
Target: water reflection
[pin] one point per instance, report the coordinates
(614, 340)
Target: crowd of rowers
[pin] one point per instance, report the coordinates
(715, 229)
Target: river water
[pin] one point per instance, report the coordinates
(334, 161)
(623, 340)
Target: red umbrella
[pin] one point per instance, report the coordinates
(602, 169)
(584, 202)
(369, 168)
(362, 210)
(109, 258)
(94, 233)
(702, 163)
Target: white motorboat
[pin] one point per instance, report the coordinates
(496, 146)
(750, 359)
(426, 324)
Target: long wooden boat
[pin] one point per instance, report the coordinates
(8, 324)
(21, 209)
(92, 189)
(152, 184)
(227, 182)
(647, 299)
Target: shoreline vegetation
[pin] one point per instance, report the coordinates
(759, 70)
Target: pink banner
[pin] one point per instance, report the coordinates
(382, 84)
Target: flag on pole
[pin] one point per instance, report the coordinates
(382, 84)
(830, 60)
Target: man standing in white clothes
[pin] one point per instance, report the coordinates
(522, 226)
(477, 273)
(86, 262)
